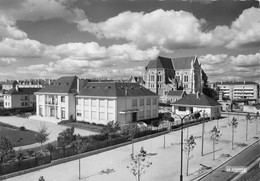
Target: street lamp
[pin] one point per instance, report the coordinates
(182, 118)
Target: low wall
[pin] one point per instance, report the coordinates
(75, 157)
(251, 109)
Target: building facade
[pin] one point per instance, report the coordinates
(101, 102)
(58, 99)
(165, 74)
(238, 90)
(20, 98)
(197, 102)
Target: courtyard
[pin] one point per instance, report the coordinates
(112, 165)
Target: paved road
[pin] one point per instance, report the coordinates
(244, 159)
(33, 124)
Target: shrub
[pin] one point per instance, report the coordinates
(22, 128)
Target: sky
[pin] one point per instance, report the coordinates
(117, 38)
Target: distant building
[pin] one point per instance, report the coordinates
(20, 97)
(166, 74)
(238, 89)
(100, 102)
(136, 79)
(58, 99)
(173, 96)
(9, 84)
(197, 102)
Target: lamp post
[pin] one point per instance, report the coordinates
(182, 118)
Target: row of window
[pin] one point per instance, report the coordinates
(94, 102)
(141, 102)
(93, 115)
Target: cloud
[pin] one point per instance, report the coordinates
(171, 30)
(32, 10)
(21, 48)
(164, 29)
(225, 67)
(9, 30)
(7, 61)
(246, 60)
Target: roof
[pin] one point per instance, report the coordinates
(182, 62)
(191, 99)
(115, 89)
(235, 83)
(22, 91)
(160, 62)
(175, 93)
(138, 80)
(66, 84)
(12, 82)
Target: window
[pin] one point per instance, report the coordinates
(79, 113)
(148, 113)
(40, 98)
(182, 108)
(63, 113)
(134, 102)
(141, 102)
(154, 101)
(152, 77)
(141, 114)
(110, 117)
(86, 114)
(86, 102)
(159, 78)
(155, 113)
(40, 110)
(78, 101)
(25, 97)
(25, 103)
(101, 115)
(111, 103)
(185, 78)
(102, 103)
(94, 103)
(62, 98)
(93, 115)
(148, 101)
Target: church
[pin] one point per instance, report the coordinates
(165, 74)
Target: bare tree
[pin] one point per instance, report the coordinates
(139, 164)
(189, 146)
(42, 135)
(233, 124)
(215, 134)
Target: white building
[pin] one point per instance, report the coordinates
(101, 102)
(197, 102)
(20, 98)
(58, 99)
(238, 90)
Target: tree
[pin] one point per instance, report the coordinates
(112, 128)
(215, 134)
(256, 122)
(42, 135)
(66, 138)
(206, 89)
(139, 164)
(131, 131)
(6, 148)
(234, 124)
(50, 148)
(188, 147)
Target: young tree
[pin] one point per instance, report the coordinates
(188, 147)
(6, 148)
(139, 164)
(202, 134)
(215, 134)
(256, 122)
(66, 138)
(131, 130)
(42, 135)
(233, 124)
(112, 128)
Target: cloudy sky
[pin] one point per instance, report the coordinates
(116, 38)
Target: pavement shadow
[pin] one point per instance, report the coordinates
(212, 152)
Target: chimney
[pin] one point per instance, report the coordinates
(78, 85)
(198, 95)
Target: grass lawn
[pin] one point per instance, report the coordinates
(18, 137)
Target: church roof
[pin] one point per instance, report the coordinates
(160, 62)
(182, 62)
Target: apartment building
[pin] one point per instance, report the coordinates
(20, 97)
(238, 89)
(101, 102)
